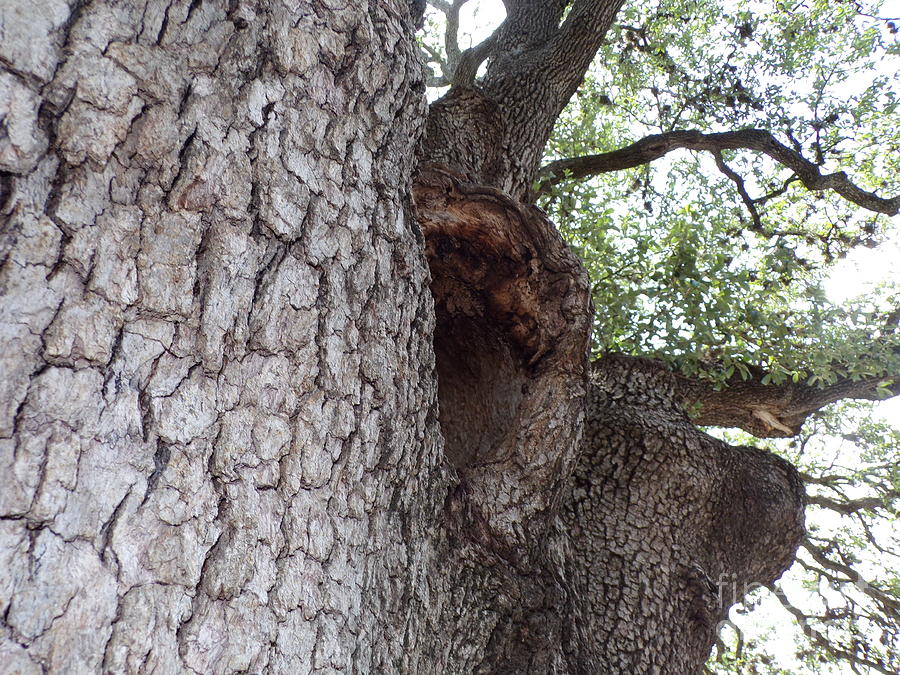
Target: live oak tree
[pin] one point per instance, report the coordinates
(684, 265)
(296, 376)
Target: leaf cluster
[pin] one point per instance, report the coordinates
(681, 270)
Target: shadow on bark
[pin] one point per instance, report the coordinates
(512, 316)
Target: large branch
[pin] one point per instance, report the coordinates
(467, 65)
(581, 35)
(653, 147)
(770, 410)
(545, 62)
(495, 129)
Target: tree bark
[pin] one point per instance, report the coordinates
(220, 447)
(669, 526)
(245, 428)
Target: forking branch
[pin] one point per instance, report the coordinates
(657, 145)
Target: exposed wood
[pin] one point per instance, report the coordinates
(513, 312)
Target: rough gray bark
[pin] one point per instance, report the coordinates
(219, 438)
(669, 525)
(242, 427)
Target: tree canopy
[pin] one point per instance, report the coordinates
(716, 163)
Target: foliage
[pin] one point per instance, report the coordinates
(681, 268)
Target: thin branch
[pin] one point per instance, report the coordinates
(852, 575)
(436, 57)
(870, 536)
(828, 481)
(655, 146)
(778, 192)
(720, 643)
(461, 66)
(437, 81)
(834, 479)
(820, 640)
(741, 188)
(849, 507)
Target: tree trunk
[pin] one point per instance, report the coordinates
(220, 444)
(244, 428)
(670, 526)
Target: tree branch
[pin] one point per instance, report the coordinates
(534, 65)
(846, 508)
(466, 67)
(451, 34)
(741, 188)
(460, 66)
(577, 41)
(820, 640)
(434, 56)
(852, 576)
(759, 140)
(720, 644)
(769, 410)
